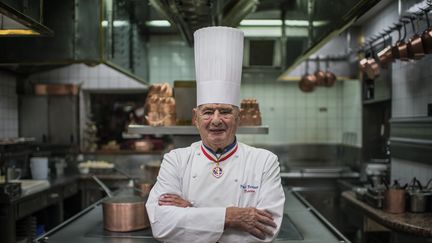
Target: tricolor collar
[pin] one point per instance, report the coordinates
(226, 153)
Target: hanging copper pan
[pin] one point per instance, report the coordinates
(402, 46)
(427, 35)
(415, 43)
(330, 77)
(308, 81)
(319, 74)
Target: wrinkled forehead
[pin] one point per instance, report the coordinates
(216, 106)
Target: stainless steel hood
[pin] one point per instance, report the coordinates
(302, 26)
(22, 18)
(190, 15)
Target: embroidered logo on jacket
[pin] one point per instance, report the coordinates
(249, 188)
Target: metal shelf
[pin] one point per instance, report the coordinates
(189, 130)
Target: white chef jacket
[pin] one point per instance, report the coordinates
(250, 179)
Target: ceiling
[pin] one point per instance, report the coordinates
(307, 24)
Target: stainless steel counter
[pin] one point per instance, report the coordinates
(312, 227)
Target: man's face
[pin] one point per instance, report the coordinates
(217, 124)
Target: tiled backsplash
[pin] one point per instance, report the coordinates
(8, 106)
(294, 117)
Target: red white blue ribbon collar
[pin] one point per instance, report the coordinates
(226, 153)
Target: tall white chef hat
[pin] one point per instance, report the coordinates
(218, 65)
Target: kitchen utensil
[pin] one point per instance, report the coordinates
(141, 187)
(307, 82)
(330, 77)
(402, 46)
(385, 55)
(123, 213)
(39, 168)
(395, 199)
(372, 67)
(417, 197)
(362, 64)
(427, 34)
(395, 47)
(415, 44)
(319, 74)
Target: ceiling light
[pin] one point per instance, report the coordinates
(116, 23)
(158, 23)
(276, 22)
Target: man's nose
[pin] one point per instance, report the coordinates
(216, 118)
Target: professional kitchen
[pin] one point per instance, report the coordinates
(298, 121)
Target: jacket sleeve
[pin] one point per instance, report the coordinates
(176, 224)
(272, 196)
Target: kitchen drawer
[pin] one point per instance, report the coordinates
(70, 189)
(54, 196)
(31, 205)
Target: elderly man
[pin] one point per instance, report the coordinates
(218, 189)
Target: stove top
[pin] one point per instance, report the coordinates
(288, 232)
(99, 231)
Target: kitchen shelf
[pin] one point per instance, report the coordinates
(189, 130)
(120, 152)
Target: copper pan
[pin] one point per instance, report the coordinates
(123, 213)
(427, 35)
(319, 74)
(385, 56)
(415, 44)
(308, 81)
(372, 68)
(402, 46)
(362, 64)
(330, 77)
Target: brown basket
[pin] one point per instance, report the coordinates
(56, 89)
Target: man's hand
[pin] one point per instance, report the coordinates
(251, 220)
(173, 200)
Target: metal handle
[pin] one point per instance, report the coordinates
(54, 195)
(104, 187)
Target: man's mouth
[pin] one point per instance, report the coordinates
(217, 131)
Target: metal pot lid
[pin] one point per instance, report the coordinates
(124, 199)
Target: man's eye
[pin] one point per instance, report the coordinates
(225, 112)
(207, 113)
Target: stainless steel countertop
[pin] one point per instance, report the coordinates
(304, 217)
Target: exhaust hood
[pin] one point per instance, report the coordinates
(301, 26)
(22, 18)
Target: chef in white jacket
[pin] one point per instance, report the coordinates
(217, 189)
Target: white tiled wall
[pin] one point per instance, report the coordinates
(8, 106)
(170, 58)
(404, 171)
(293, 116)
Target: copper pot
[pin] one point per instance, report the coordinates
(362, 64)
(402, 46)
(123, 214)
(427, 35)
(307, 83)
(394, 200)
(415, 45)
(319, 75)
(372, 68)
(330, 78)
